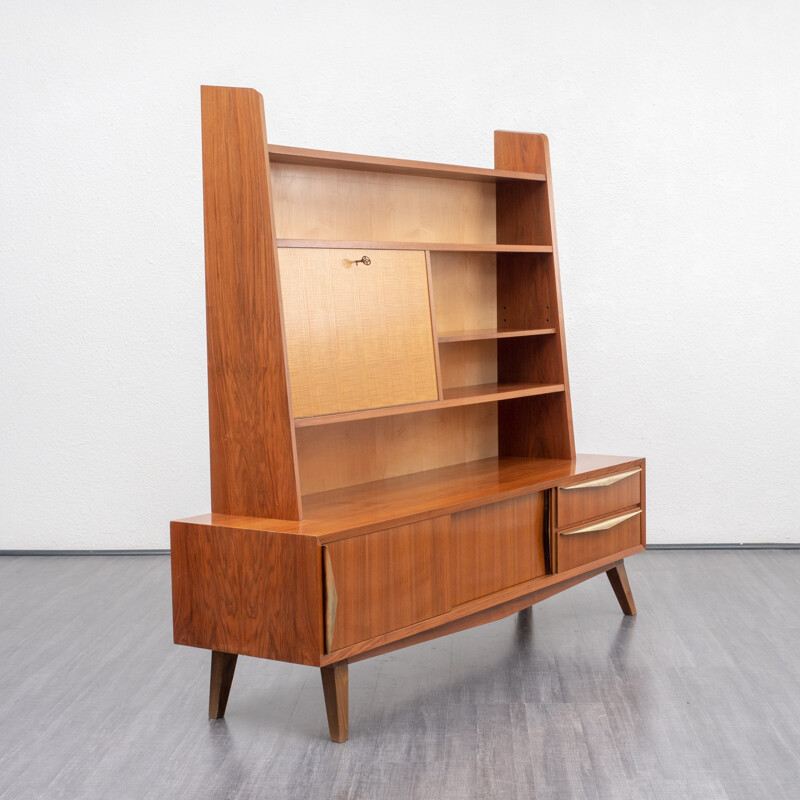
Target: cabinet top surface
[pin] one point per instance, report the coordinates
(396, 501)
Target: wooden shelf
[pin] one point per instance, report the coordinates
(458, 396)
(323, 158)
(442, 247)
(491, 333)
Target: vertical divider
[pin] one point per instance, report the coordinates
(434, 330)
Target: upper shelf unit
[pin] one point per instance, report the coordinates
(322, 158)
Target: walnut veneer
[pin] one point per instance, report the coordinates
(392, 449)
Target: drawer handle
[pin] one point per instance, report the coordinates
(331, 598)
(604, 525)
(609, 480)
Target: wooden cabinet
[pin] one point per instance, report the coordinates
(391, 439)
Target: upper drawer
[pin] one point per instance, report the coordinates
(598, 496)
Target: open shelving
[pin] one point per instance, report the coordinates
(493, 358)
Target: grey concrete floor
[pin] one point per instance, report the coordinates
(697, 697)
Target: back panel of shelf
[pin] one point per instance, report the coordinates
(351, 205)
(350, 453)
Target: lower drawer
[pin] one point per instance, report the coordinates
(586, 543)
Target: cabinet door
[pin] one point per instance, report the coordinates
(496, 546)
(358, 335)
(386, 580)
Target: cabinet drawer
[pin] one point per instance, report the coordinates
(598, 497)
(496, 546)
(586, 543)
(385, 580)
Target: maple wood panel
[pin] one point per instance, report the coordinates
(319, 203)
(464, 290)
(253, 469)
(468, 363)
(496, 546)
(256, 593)
(576, 549)
(452, 397)
(580, 502)
(389, 579)
(358, 335)
(350, 453)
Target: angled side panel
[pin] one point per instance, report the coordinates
(525, 215)
(253, 452)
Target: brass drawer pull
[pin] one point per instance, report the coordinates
(603, 525)
(609, 480)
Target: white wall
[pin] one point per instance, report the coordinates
(674, 130)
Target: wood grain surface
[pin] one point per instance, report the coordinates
(464, 290)
(223, 666)
(336, 689)
(353, 510)
(253, 460)
(478, 612)
(576, 504)
(496, 546)
(359, 336)
(527, 214)
(618, 578)
(452, 397)
(247, 591)
(279, 154)
(446, 246)
(322, 203)
(334, 456)
(389, 579)
(574, 550)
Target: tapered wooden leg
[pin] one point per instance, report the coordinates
(334, 687)
(222, 669)
(622, 589)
